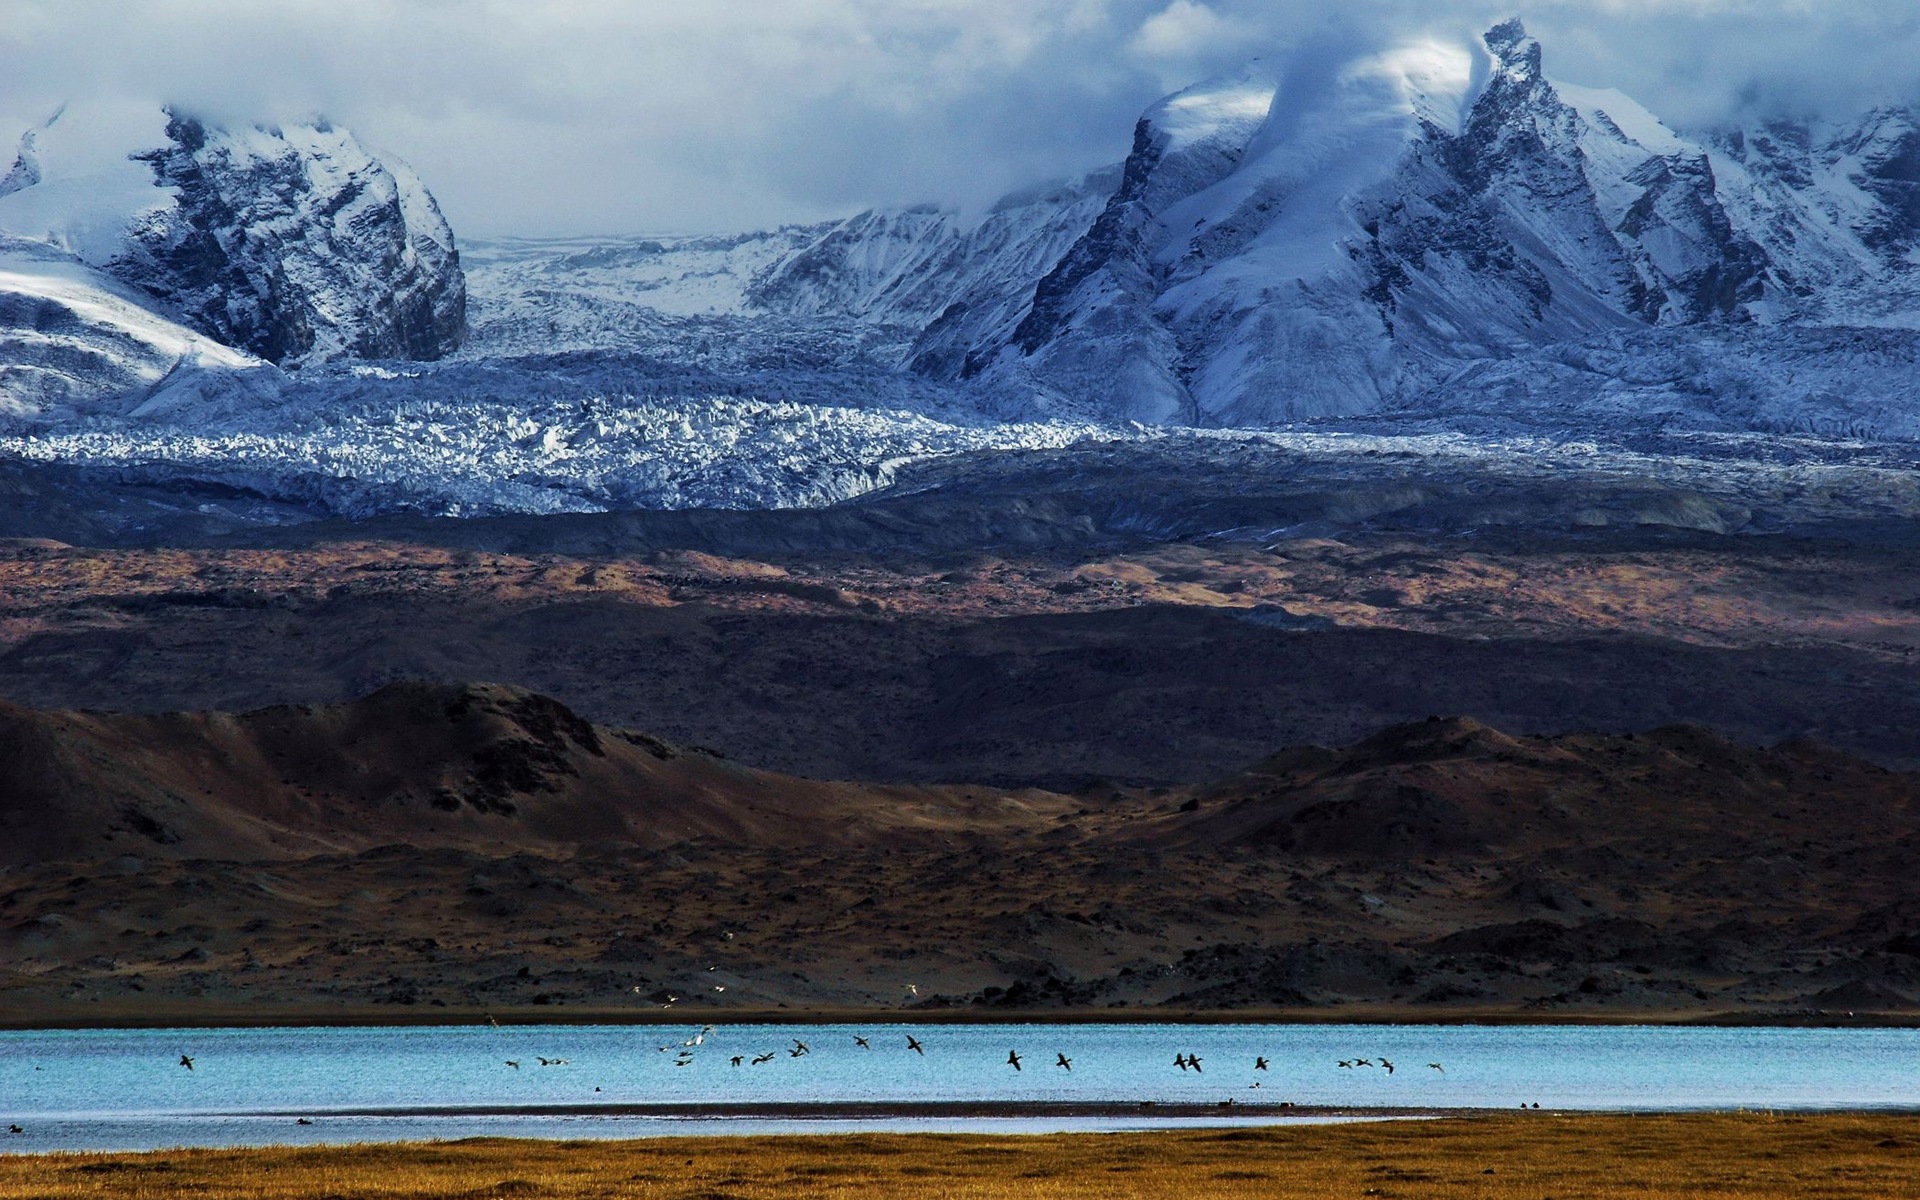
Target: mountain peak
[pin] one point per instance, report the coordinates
(1518, 53)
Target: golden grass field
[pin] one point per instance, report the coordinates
(1535, 1156)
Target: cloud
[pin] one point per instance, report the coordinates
(562, 116)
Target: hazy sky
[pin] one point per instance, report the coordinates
(543, 116)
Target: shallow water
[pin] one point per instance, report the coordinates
(124, 1089)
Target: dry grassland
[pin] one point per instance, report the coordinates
(1736, 1156)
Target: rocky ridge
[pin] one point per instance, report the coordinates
(293, 243)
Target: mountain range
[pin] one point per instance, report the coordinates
(1436, 238)
(1306, 240)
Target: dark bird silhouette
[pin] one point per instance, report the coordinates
(1362, 1062)
(1013, 1059)
(1438, 1067)
(15, 1129)
(914, 1045)
(796, 1054)
(801, 1046)
(738, 1059)
(1346, 1064)
(186, 1060)
(861, 1042)
(513, 1064)
(1180, 1060)
(1259, 1064)
(1193, 1060)
(1062, 1061)
(767, 1057)
(303, 1121)
(1388, 1064)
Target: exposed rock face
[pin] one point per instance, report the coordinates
(293, 243)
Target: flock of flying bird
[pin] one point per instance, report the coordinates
(684, 1057)
(799, 1049)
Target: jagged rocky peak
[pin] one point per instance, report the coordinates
(1297, 241)
(292, 242)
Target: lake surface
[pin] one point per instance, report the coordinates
(125, 1089)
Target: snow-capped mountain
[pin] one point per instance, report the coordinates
(1304, 240)
(1290, 246)
(293, 243)
(1430, 242)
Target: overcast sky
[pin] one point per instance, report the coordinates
(585, 116)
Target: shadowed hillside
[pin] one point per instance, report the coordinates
(483, 847)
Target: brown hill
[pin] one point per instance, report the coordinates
(1454, 787)
(483, 848)
(483, 767)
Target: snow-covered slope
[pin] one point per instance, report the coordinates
(73, 338)
(884, 287)
(293, 243)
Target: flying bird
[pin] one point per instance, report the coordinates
(738, 1059)
(767, 1057)
(1346, 1064)
(861, 1042)
(1180, 1060)
(1013, 1059)
(512, 1063)
(914, 1045)
(1259, 1064)
(1362, 1062)
(1388, 1064)
(186, 1060)
(1062, 1061)
(1437, 1067)
(800, 1047)
(1193, 1060)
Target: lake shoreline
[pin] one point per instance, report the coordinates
(304, 1016)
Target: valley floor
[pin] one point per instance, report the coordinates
(1494, 1157)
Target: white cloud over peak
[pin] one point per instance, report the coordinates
(627, 115)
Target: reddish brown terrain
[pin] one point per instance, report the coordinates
(1155, 664)
(1024, 733)
(436, 851)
